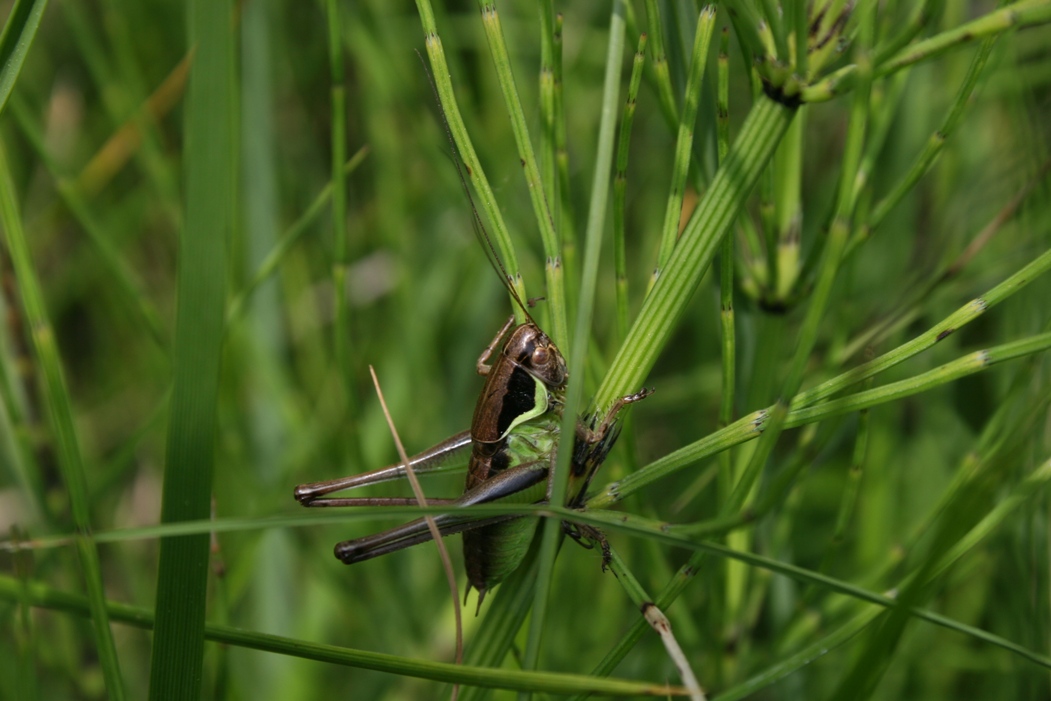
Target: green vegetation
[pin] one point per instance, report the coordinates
(829, 264)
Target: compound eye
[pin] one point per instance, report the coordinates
(541, 356)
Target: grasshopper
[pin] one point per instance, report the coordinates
(512, 442)
(511, 445)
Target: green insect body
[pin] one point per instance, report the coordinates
(515, 427)
(493, 552)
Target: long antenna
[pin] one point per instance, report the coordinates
(479, 227)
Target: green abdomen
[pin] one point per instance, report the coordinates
(492, 553)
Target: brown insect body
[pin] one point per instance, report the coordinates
(527, 380)
(526, 383)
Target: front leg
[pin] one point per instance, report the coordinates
(595, 435)
(483, 360)
(592, 444)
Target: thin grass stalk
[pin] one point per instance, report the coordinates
(701, 172)
(772, 14)
(1019, 15)
(567, 229)
(176, 669)
(749, 426)
(19, 31)
(746, 23)
(288, 239)
(961, 367)
(936, 333)
(797, 24)
(728, 341)
(728, 336)
(836, 244)
(657, 620)
(923, 15)
(128, 283)
(63, 429)
(432, 526)
(552, 249)
(849, 499)
(684, 142)
(1000, 432)
(743, 430)
(26, 640)
(678, 19)
(804, 657)
(1024, 13)
(465, 147)
(767, 225)
(552, 530)
(620, 186)
(16, 450)
(546, 82)
(659, 61)
(113, 92)
(1032, 484)
(949, 372)
(143, 107)
(907, 309)
(787, 212)
(885, 102)
(42, 596)
(139, 129)
(935, 143)
(341, 251)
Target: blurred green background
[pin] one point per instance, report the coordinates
(96, 140)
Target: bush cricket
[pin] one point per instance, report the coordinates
(511, 444)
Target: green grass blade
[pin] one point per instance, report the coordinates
(620, 185)
(128, 282)
(176, 671)
(760, 134)
(684, 142)
(342, 350)
(475, 174)
(60, 412)
(935, 334)
(935, 144)
(541, 208)
(829, 269)
(661, 75)
(43, 596)
(17, 38)
(753, 425)
(552, 530)
(1019, 15)
(289, 238)
(797, 661)
(961, 367)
